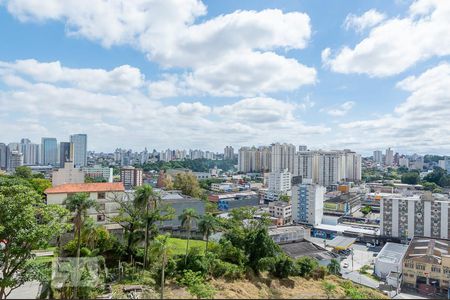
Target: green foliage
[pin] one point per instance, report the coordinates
(366, 210)
(437, 176)
(329, 288)
(26, 223)
(432, 158)
(196, 285)
(334, 267)
(188, 184)
(219, 268)
(206, 183)
(304, 266)
(280, 267)
(196, 165)
(258, 245)
(229, 253)
(319, 273)
(40, 185)
(410, 178)
(89, 179)
(285, 198)
(23, 172)
(207, 225)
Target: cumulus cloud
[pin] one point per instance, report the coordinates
(420, 122)
(340, 110)
(367, 20)
(167, 32)
(397, 43)
(63, 102)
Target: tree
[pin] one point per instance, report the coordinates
(366, 210)
(79, 204)
(329, 288)
(40, 185)
(334, 267)
(188, 184)
(208, 224)
(146, 198)
(285, 198)
(258, 245)
(435, 176)
(196, 285)
(23, 172)
(26, 223)
(305, 266)
(161, 249)
(410, 178)
(187, 218)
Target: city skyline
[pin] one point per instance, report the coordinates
(303, 76)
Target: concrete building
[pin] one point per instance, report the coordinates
(3, 156)
(307, 203)
(408, 215)
(378, 156)
(68, 174)
(131, 177)
(99, 172)
(49, 151)
(229, 201)
(426, 265)
(179, 203)
(280, 181)
(289, 234)
(281, 210)
(389, 157)
(403, 162)
(252, 159)
(15, 160)
(104, 194)
(30, 152)
(65, 153)
(282, 157)
(389, 260)
(228, 152)
(79, 142)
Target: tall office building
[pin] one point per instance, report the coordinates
(304, 163)
(252, 159)
(228, 152)
(353, 168)
(302, 148)
(79, 155)
(389, 157)
(49, 151)
(65, 153)
(280, 182)
(378, 156)
(131, 177)
(307, 203)
(282, 157)
(30, 152)
(3, 156)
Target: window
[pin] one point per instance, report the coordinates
(101, 206)
(446, 270)
(101, 195)
(420, 267)
(409, 264)
(435, 269)
(100, 218)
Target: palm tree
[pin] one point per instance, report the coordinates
(161, 248)
(146, 198)
(208, 224)
(334, 267)
(187, 219)
(78, 204)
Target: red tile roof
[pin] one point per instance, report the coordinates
(86, 187)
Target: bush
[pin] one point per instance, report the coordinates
(195, 261)
(319, 273)
(279, 267)
(196, 285)
(305, 266)
(220, 268)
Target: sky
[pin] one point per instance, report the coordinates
(330, 74)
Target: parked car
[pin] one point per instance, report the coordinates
(345, 265)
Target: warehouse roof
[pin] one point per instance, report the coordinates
(392, 253)
(341, 242)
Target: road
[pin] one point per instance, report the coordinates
(361, 279)
(27, 291)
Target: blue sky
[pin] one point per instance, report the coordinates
(363, 75)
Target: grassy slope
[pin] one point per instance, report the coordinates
(178, 246)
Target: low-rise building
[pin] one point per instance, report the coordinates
(426, 265)
(289, 234)
(105, 195)
(179, 203)
(131, 177)
(281, 210)
(234, 200)
(99, 172)
(68, 174)
(389, 260)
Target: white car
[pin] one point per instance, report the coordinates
(345, 265)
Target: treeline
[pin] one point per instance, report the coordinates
(196, 165)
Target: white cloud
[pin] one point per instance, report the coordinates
(367, 20)
(340, 110)
(61, 103)
(398, 43)
(420, 123)
(167, 32)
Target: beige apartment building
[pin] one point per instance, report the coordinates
(426, 265)
(104, 194)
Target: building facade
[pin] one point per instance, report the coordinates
(228, 152)
(68, 174)
(407, 215)
(131, 177)
(281, 210)
(79, 142)
(49, 151)
(307, 203)
(99, 172)
(65, 153)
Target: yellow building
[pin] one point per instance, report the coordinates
(426, 265)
